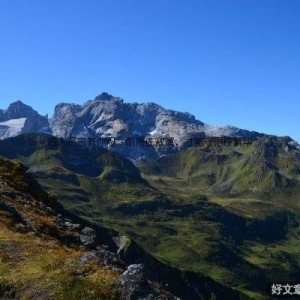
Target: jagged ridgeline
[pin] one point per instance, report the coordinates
(221, 220)
(109, 116)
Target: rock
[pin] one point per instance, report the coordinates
(109, 116)
(60, 223)
(136, 286)
(68, 224)
(104, 258)
(21, 118)
(104, 96)
(87, 236)
(87, 257)
(22, 200)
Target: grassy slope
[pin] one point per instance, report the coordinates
(229, 235)
(246, 181)
(41, 260)
(33, 267)
(80, 177)
(258, 171)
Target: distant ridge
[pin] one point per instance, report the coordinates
(109, 116)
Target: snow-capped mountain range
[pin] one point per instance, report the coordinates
(108, 116)
(21, 118)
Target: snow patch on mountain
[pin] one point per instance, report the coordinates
(11, 127)
(153, 131)
(212, 130)
(295, 144)
(17, 123)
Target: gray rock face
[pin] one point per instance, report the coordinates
(20, 118)
(17, 110)
(134, 283)
(136, 286)
(166, 131)
(113, 118)
(107, 116)
(87, 236)
(104, 258)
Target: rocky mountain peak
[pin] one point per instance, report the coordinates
(104, 96)
(17, 110)
(108, 116)
(20, 118)
(66, 107)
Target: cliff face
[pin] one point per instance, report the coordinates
(21, 118)
(107, 116)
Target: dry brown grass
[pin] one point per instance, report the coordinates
(39, 269)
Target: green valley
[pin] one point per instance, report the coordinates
(230, 213)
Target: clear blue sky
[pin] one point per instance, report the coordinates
(231, 62)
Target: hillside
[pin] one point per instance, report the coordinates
(41, 245)
(78, 175)
(269, 168)
(194, 210)
(47, 252)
